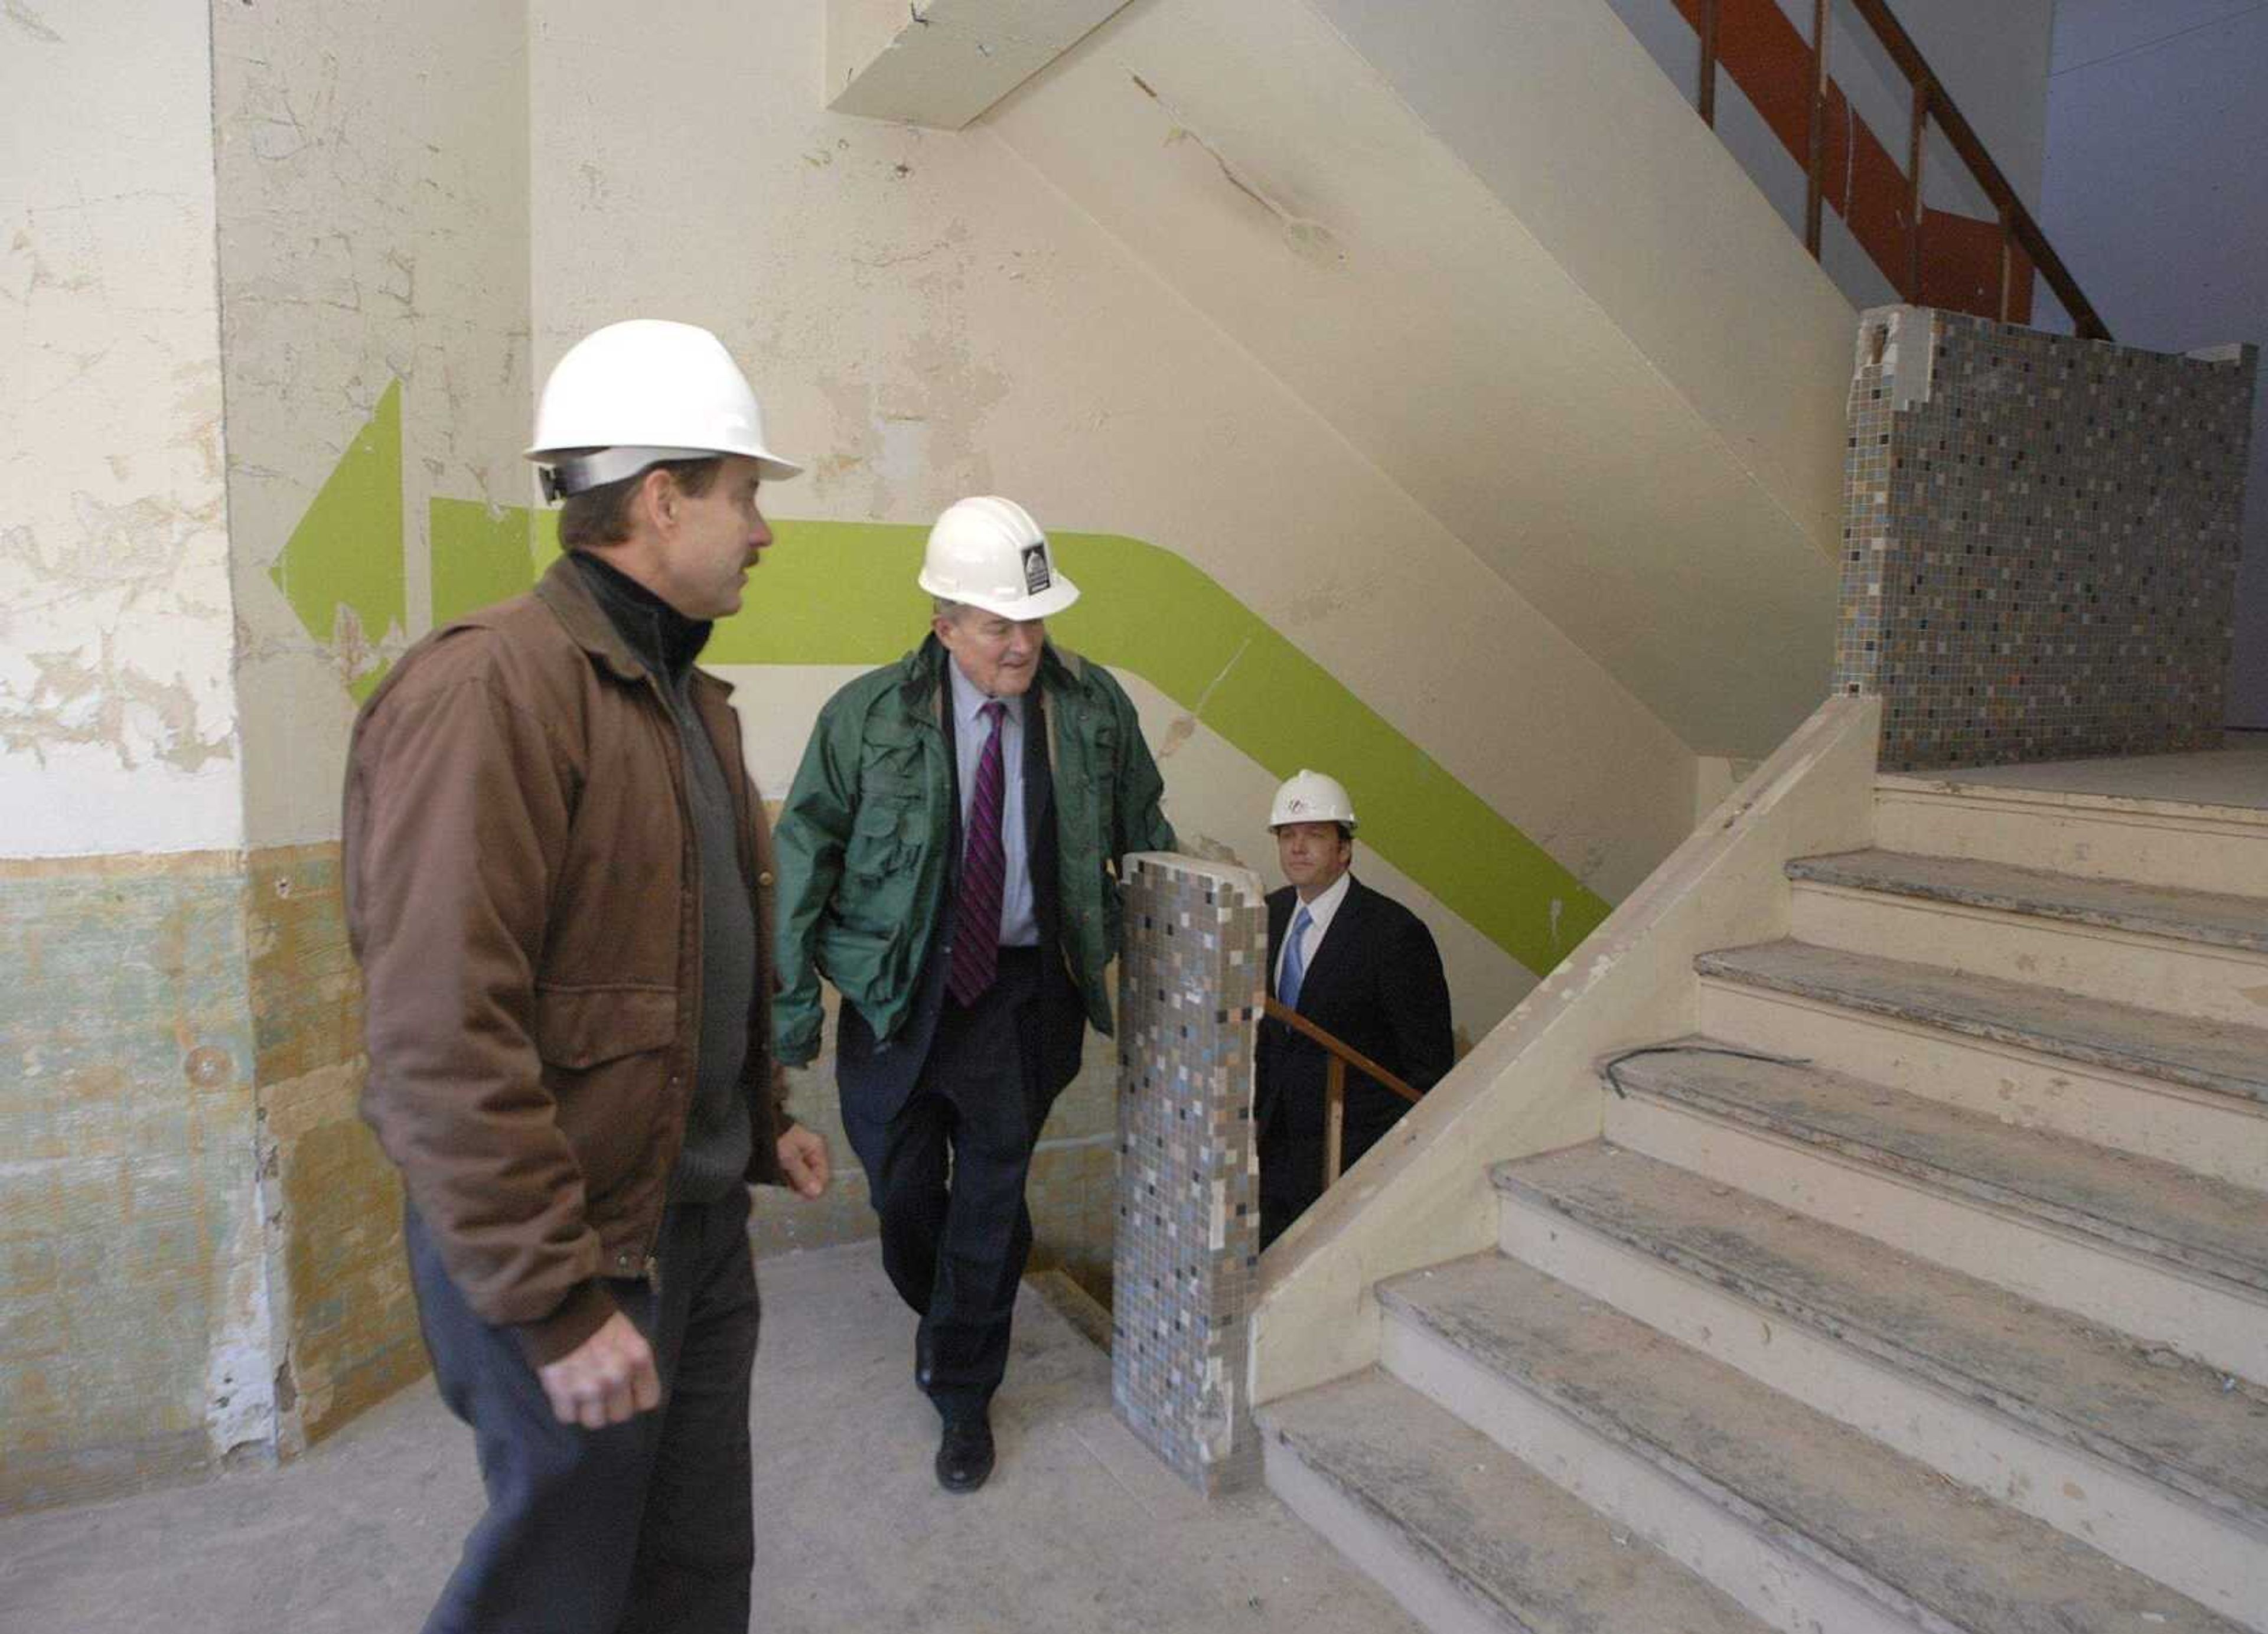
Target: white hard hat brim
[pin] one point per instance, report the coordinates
(770, 466)
(1056, 596)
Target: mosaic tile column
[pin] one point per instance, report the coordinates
(2040, 540)
(1191, 983)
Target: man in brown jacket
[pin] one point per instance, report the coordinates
(559, 885)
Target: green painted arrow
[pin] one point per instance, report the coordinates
(843, 592)
(341, 569)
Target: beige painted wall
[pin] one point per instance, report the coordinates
(927, 317)
(1636, 460)
(118, 728)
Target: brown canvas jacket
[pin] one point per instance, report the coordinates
(523, 895)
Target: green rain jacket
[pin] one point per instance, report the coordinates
(862, 837)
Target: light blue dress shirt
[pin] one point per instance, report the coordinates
(1019, 927)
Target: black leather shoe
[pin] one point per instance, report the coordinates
(964, 1454)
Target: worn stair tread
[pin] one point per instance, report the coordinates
(2170, 1419)
(2210, 1228)
(2220, 1057)
(1872, 1518)
(2233, 922)
(1534, 1557)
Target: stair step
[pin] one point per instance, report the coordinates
(2186, 954)
(1462, 1534)
(2221, 1057)
(2207, 1227)
(1682, 1447)
(2054, 1219)
(2208, 917)
(2185, 844)
(2155, 1460)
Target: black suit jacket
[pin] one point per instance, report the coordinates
(1375, 983)
(875, 1078)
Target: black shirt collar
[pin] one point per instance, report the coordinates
(665, 640)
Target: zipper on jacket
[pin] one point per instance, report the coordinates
(674, 751)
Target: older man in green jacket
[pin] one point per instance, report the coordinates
(949, 859)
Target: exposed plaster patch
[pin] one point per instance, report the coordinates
(1184, 727)
(1306, 237)
(29, 21)
(1211, 849)
(101, 626)
(77, 703)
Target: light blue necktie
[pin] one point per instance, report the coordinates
(1295, 968)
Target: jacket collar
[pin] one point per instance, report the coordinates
(562, 590)
(921, 673)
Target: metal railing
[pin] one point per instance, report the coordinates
(2020, 234)
(1339, 1057)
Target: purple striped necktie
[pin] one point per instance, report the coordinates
(983, 875)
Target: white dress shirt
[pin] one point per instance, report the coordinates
(1320, 912)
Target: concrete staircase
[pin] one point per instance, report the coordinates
(1926, 1287)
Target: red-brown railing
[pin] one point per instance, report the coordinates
(1339, 1057)
(1970, 265)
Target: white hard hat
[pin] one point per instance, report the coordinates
(987, 552)
(633, 393)
(1311, 796)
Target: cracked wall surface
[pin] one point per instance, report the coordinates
(134, 1325)
(118, 727)
(373, 178)
(134, 1314)
(372, 165)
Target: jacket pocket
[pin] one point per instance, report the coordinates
(879, 837)
(581, 1028)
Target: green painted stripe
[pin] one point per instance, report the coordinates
(843, 593)
(480, 555)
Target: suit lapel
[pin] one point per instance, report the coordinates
(1335, 959)
(1279, 918)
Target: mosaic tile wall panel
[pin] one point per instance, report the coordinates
(1188, 1201)
(2040, 540)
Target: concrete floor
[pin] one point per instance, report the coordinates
(1080, 1529)
(2235, 775)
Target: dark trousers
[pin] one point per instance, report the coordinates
(1290, 1178)
(647, 1525)
(946, 1172)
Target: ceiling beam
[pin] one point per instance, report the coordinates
(943, 63)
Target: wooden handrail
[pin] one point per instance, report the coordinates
(1345, 1051)
(1342, 1055)
(2018, 229)
(1815, 171)
(2015, 220)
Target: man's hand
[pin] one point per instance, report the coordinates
(803, 1159)
(606, 1380)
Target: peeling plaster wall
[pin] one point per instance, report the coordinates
(373, 165)
(927, 318)
(134, 1322)
(134, 1316)
(118, 728)
(373, 276)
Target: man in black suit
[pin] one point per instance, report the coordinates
(1358, 965)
